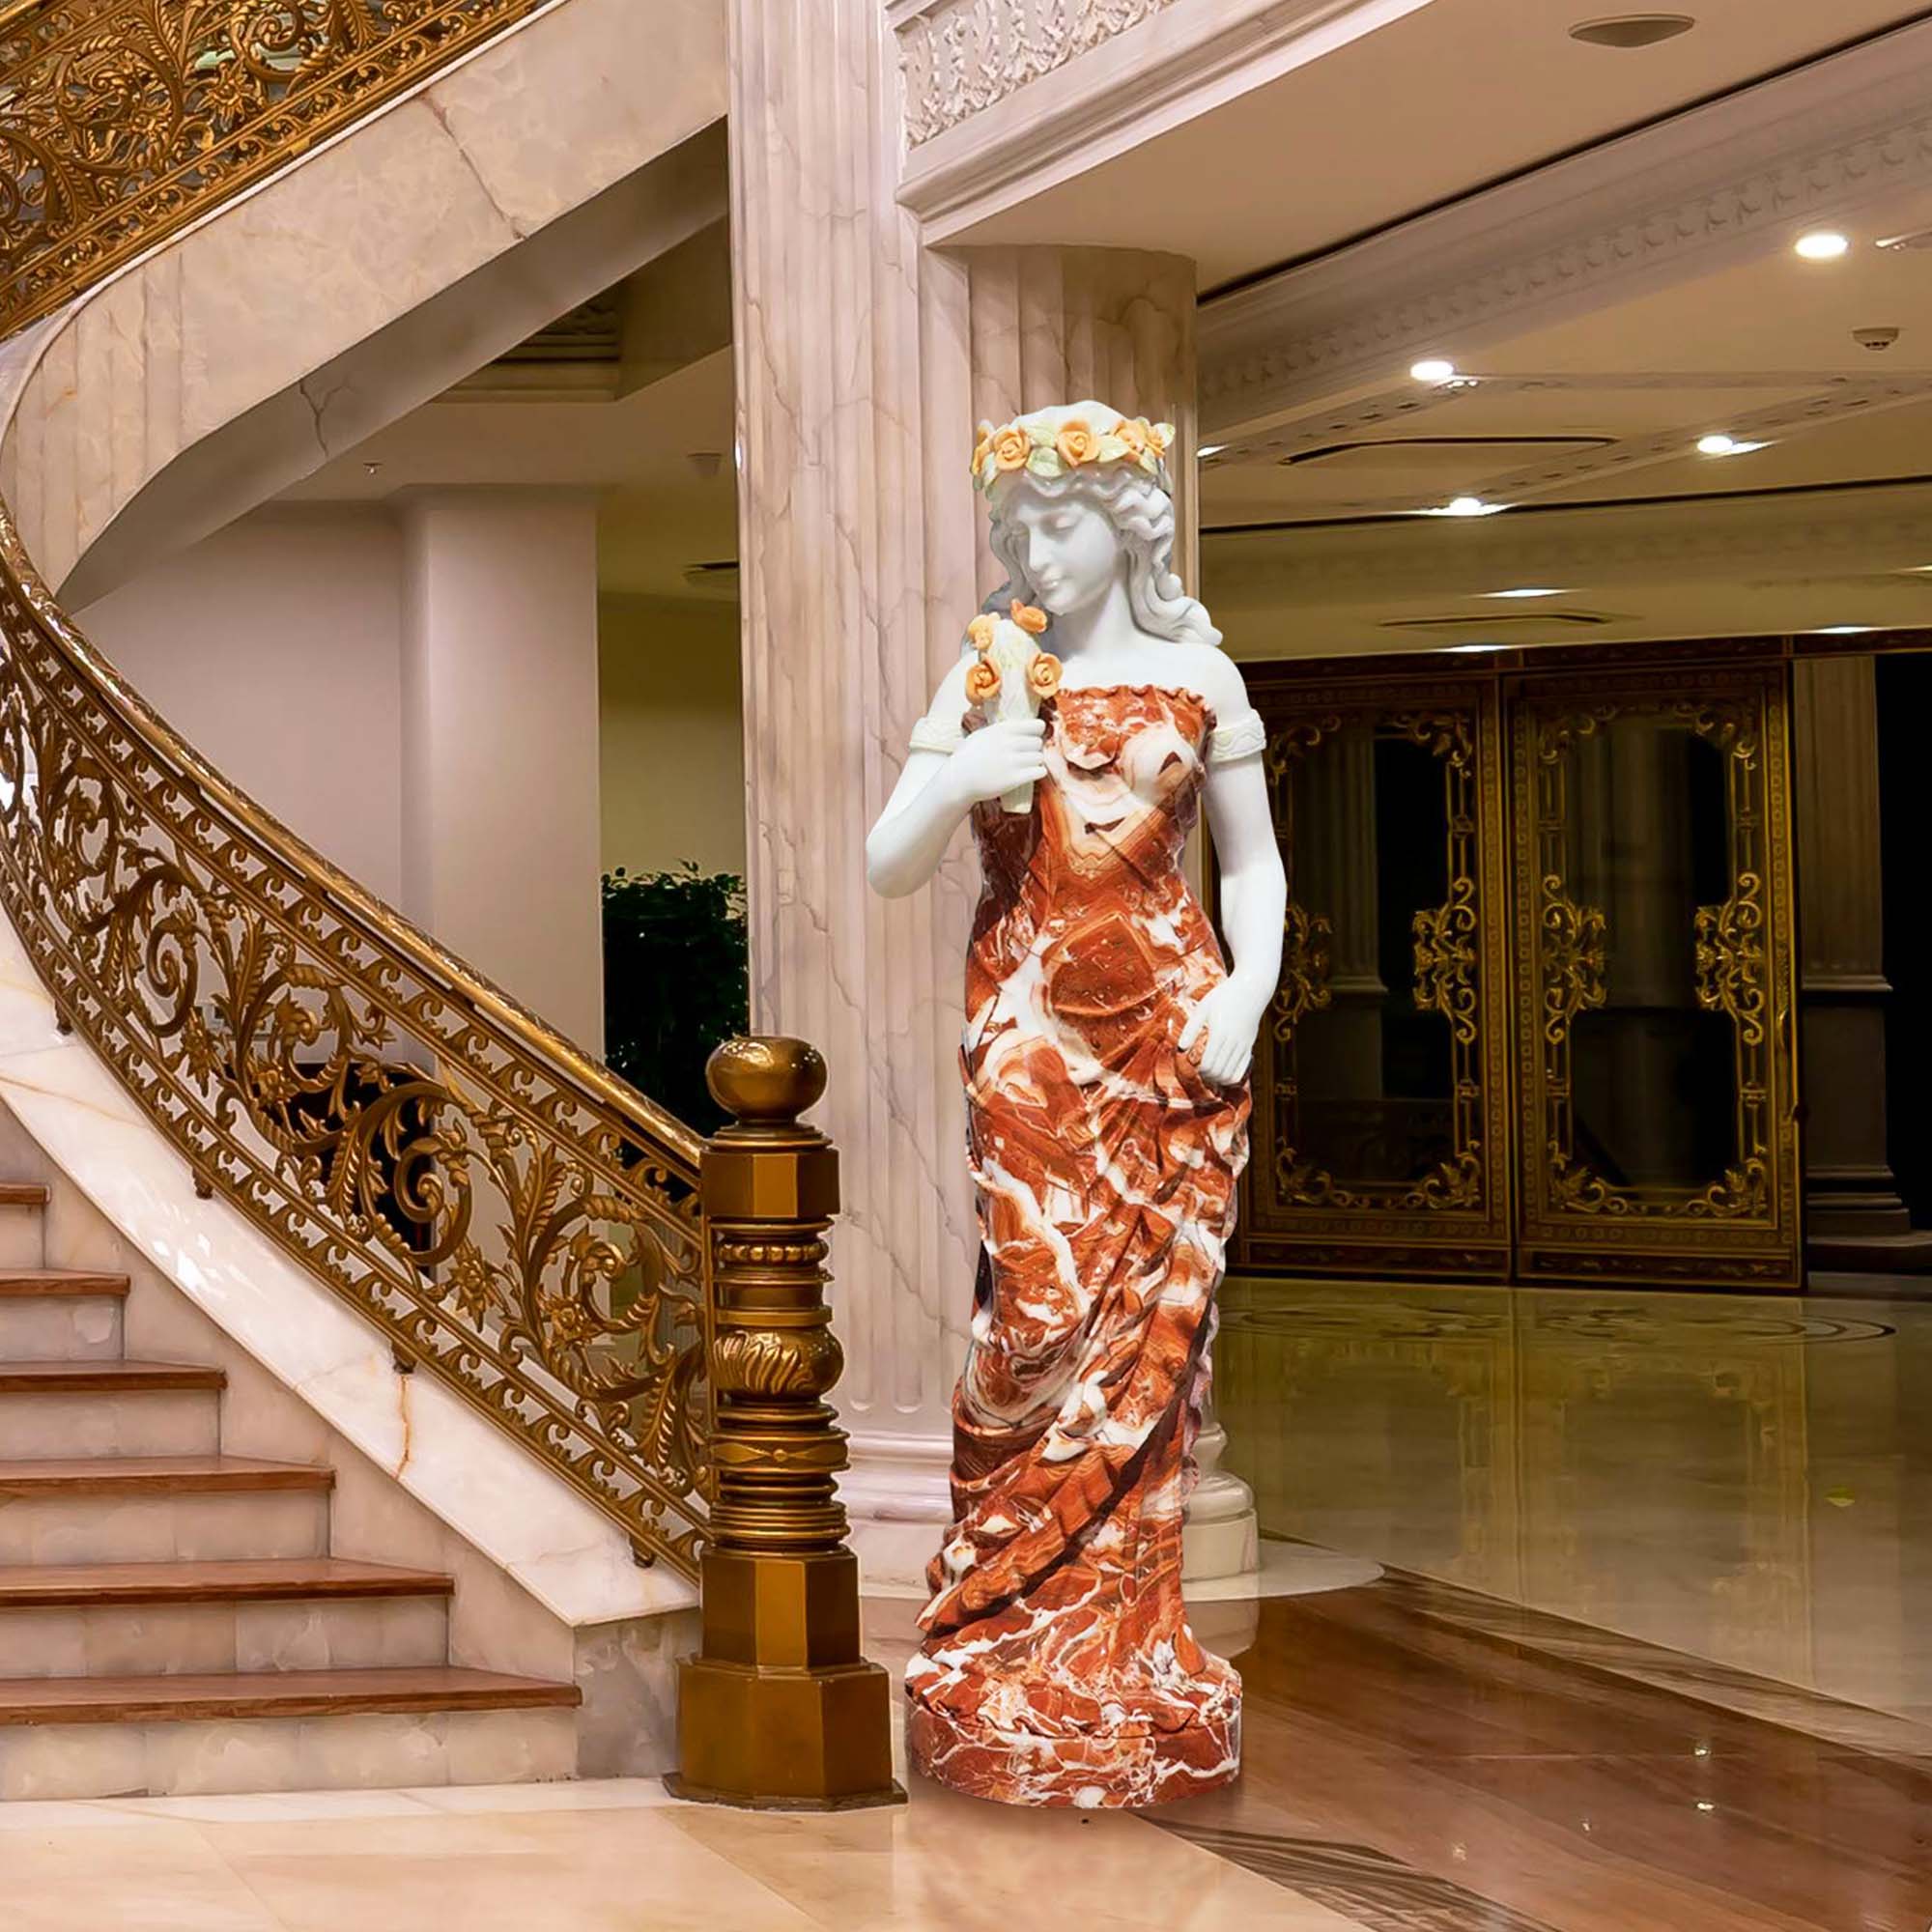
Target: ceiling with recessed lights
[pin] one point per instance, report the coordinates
(1492, 309)
(1671, 373)
(1450, 98)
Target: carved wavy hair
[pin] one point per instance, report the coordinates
(1141, 511)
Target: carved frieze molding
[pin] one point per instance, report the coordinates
(959, 56)
(1665, 203)
(1001, 98)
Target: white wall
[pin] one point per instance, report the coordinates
(673, 734)
(274, 648)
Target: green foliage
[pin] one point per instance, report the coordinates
(676, 982)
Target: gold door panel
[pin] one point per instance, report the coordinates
(1535, 1012)
(1652, 898)
(1381, 1107)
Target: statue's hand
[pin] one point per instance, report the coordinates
(996, 758)
(1220, 1032)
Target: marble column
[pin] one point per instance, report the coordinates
(1854, 1217)
(865, 360)
(502, 816)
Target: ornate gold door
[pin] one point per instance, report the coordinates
(1535, 1014)
(1657, 1135)
(1381, 1107)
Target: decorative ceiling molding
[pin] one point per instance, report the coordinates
(1003, 99)
(1877, 531)
(1667, 203)
(1822, 398)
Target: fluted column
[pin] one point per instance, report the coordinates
(865, 361)
(1854, 1217)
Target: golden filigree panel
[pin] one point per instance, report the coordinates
(521, 1222)
(1304, 1208)
(123, 121)
(1579, 1218)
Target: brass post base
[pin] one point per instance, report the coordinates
(780, 1710)
(785, 1739)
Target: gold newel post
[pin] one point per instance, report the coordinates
(780, 1708)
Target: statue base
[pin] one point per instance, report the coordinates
(1127, 1772)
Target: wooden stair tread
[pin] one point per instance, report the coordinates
(23, 1284)
(23, 1194)
(105, 1377)
(157, 1475)
(41, 1586)
(274, 1693)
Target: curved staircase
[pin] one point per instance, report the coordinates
(171, 1618)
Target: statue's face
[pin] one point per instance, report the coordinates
(1073, 552)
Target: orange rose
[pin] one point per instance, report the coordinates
(1043, 675)
(1011, 447)
(983, 681)
(1076, 444)
(1133, 433)
(1160, 435)
(981, 630)
(1029, 619)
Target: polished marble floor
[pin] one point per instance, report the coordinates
(1745, 1480)
(1649, 1654)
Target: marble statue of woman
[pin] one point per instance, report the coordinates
(1105, 1059)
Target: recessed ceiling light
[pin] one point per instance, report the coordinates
(1209, 449)
(1466, 506)
(1822, 244)
(1477, 648)
(1841, 629)
(1433, 369)
(1718, 444)
(1632, 30)
(1526, 591)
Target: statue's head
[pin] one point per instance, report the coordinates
(1080, 500)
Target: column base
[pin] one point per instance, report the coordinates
(1220, 1536)
(900, 1506)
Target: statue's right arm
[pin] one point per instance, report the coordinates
(937, 789)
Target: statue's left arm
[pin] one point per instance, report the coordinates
(1254, 888)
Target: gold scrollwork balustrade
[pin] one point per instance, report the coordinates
(123, 121)
(518, 1219)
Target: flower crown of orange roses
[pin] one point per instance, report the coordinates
(1056, 442)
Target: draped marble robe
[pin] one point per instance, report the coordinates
(1057, 1666)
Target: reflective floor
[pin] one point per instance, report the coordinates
(1747, 1481)
(1650, 1654)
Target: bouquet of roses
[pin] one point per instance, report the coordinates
(1013, 677)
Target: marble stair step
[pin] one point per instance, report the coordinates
(22, 1224)
(109, 1407)
(40, 1586)
(61, 1315)
(274, 1693)
(17, 1284)
(159, 1509)
(116, 1377)
(157, 1475)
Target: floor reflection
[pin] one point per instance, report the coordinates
(1739, 1479)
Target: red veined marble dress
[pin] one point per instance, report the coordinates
(1057, 1666)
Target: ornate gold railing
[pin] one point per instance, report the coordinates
(123, 121)
(520, 1220)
